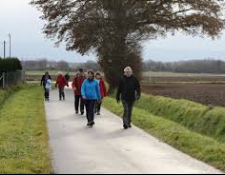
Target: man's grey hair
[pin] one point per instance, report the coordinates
(128, 69)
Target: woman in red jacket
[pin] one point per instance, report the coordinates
(61, 83)
(103, 92)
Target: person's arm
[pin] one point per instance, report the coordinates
(74, 84)
(104, 89)
(119, 91)
(138, 89)
(98, 91)
(42, 80)
(83, 90)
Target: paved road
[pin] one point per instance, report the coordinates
(107, 148)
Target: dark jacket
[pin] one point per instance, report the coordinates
(129, 89)
(45, 79)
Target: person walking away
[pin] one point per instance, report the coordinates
(129, 90)
(77, 84)
(67, 77)
(91, 94)
(103, 92)
(44, 80)
(48, 88)
(61, 83)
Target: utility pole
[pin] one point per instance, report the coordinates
(4, 43)
(10, 45)
(3, 74)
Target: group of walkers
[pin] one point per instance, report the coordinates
(90, 90)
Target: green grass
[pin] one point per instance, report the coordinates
(209, 121)
(6, 93)
(199, 146)
(23, 134)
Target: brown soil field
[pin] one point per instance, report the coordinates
(207, 94)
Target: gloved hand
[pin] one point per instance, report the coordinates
(138, 97)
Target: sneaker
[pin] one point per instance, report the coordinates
(98, 113)
(77, 112)
(82, 113)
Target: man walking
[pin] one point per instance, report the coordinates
(77, 84)
(129, 90)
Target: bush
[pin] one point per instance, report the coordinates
(10, 65)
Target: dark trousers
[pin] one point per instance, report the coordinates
(61, 93)
(79, 101)
(98, 107)
(47, 94)
(90, 107)
(127, 116)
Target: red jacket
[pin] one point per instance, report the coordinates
(77, 84)
(61, 82)
(102, 88)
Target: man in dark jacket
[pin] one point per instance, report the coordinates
(129, 90)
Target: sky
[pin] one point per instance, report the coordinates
(22, 21)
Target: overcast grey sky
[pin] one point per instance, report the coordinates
(22, 21)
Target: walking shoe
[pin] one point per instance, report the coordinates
(92, 124)
(98, 113)
(82, 113)
(77, 112)
(125, 127)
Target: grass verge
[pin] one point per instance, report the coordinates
(198, 146)
(205, 120)
(23, 134)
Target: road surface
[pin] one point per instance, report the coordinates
(107, 148)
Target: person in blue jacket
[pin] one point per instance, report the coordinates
(91, 94)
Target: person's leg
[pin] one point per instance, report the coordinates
(130, 107)
(91, 111)
(63, 93)
(126, 114)
(60, 93)
(46, 95)
(99, 104)
(77, 100)
(87, 105)
(81, 105)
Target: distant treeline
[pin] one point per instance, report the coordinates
(44, 64)
(193, 66)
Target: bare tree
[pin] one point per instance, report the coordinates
(115, 28)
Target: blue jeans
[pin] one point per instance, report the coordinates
(90, 108)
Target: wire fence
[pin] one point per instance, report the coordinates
(9, 79)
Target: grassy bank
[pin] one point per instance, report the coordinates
(23, 134)
(209, 121)
(6, 93)
(197, 145)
